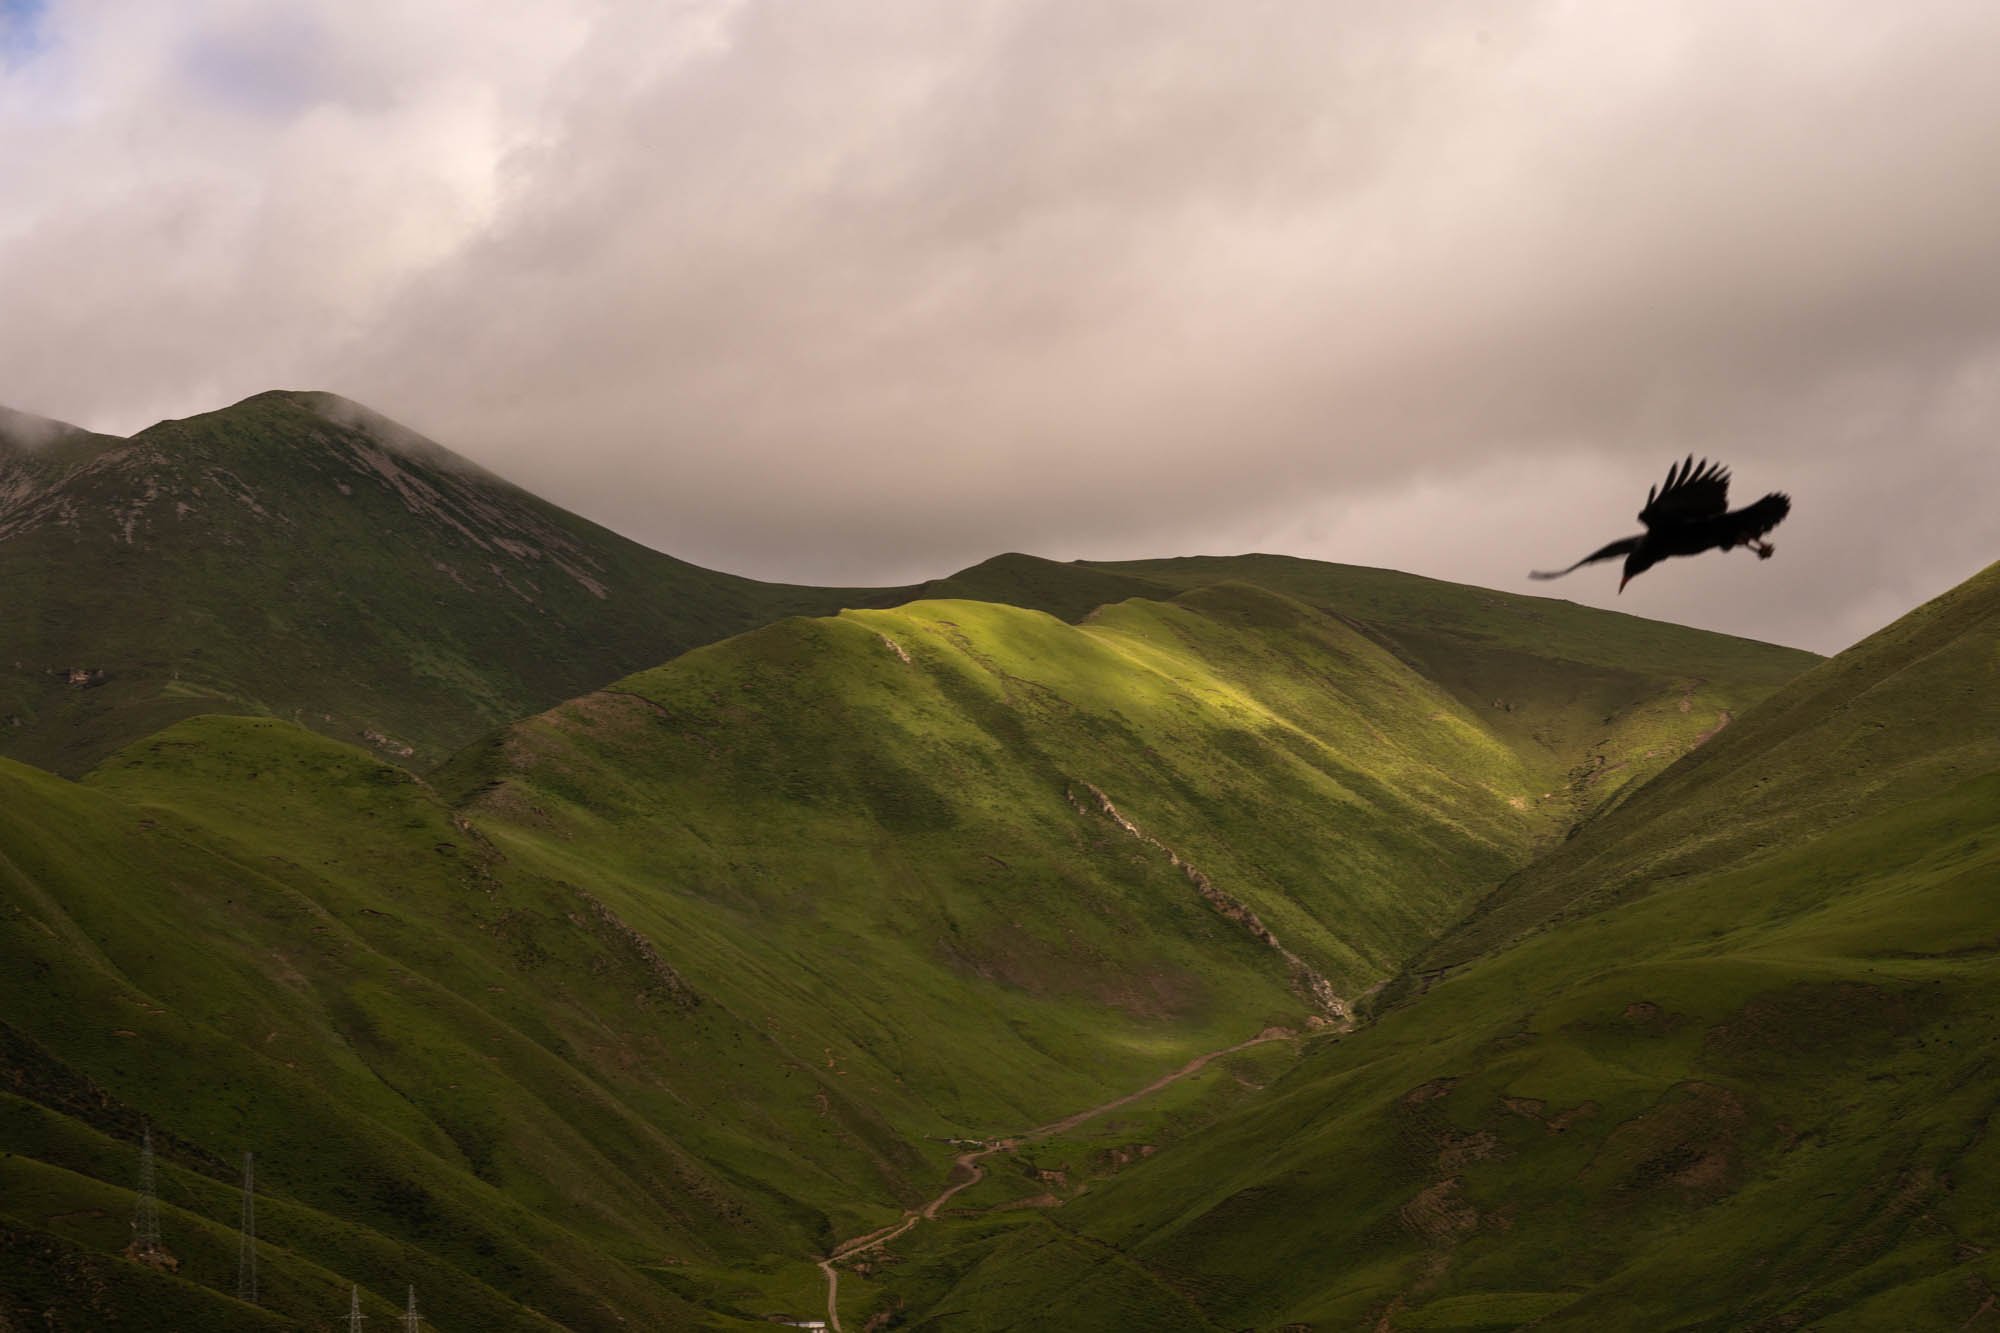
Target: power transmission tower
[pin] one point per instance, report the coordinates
(354, 1315)
(412, 1321)
(146, 1214)
(246, 1240)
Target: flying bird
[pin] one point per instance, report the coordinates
(1689, 515)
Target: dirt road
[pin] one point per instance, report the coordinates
(967, 1171)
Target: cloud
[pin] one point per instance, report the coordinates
(862, 292)
(26, 432)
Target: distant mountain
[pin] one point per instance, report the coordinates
(299, 555)
(1724, 1059)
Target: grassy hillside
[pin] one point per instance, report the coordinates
(1740, 1077)
(1896, 716)
(297, 555)
(261, 940)
(636, 1008)
(1594, 702)
(929, 771)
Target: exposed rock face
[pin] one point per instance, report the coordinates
(1305, 978)
(662, 983)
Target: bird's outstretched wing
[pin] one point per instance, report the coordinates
(1693, 493)
(1753, 521)
(1623, 546)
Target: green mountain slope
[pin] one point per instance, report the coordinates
(1594, 702)
(298, 555)
(315, 966)
(637, 1007)
(1896, 716)
(1740, 1074)
(886, 761)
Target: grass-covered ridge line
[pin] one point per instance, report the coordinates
(1594, 701)
(1202, 730)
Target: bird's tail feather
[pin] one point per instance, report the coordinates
(1623, 546)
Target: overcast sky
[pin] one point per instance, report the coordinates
(846, 291)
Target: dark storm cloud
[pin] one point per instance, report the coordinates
(864, 291)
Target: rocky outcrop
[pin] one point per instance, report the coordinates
(1305, 978)
(662, 982)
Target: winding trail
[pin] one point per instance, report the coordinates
(966, 1166)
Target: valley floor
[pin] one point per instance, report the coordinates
(968, 1171)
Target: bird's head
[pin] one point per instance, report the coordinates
(1637, 563)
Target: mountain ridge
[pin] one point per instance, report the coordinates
(299, 554)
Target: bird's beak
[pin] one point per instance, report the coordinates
(1623, 581)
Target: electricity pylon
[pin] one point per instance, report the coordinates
(246, 1239)
(412, 1321)
(146, 1213)
(354, 1315)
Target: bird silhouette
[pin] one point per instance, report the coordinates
(1688, 515)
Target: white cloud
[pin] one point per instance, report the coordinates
(862, 291)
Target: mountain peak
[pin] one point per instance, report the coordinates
(302, 554)
(277, 415)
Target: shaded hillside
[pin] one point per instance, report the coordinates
(1070, 591)
(298, 555)
(1894, 717)
(1741, 1078)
